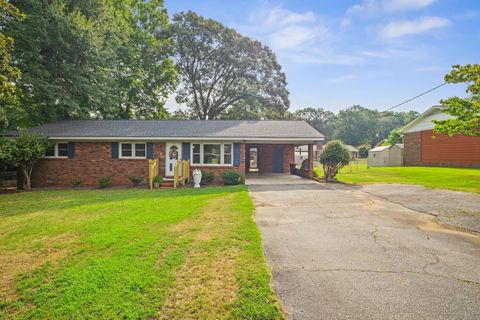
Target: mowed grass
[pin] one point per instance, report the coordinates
(133, 254)
(460, 179)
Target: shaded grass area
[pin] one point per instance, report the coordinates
(89, 254)
(460, 179)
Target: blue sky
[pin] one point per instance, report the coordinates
(375, 53)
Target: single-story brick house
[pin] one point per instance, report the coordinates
(86, 150)
(423, 147)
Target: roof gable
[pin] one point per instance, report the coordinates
(425, 120)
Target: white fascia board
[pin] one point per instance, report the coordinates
(236, 139)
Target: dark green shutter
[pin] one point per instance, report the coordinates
(186, 151)
(236, 154)
(114, 150)
(149, 150)
(71, 150)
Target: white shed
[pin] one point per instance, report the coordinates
(386, 156)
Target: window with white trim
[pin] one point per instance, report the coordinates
(212, 154)
(57, 150)
(130, 150)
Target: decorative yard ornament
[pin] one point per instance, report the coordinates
(197, 177)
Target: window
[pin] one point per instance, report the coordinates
(196, 153)
(212, 153)
(227, 153)
(133, 150)
(57, 150)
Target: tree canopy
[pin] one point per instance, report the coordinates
(226, 74)
(466, 111)
(9, 73)
(84, 59)
(355, 125)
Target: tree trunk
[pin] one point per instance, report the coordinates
(26, 175)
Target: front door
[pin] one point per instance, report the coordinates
(277, 166)
(173, 153)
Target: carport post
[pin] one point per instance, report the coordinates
(310, 161)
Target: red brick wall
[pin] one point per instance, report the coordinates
(92, 161)
(457, 151)
(217, 171)
(265, 156)
(412, 149)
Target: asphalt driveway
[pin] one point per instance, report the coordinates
(337, 252)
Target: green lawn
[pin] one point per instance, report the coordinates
(433, 177)
(133, 254)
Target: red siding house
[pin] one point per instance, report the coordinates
(423, 147)
(86, 150)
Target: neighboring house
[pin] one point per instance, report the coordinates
(423, 147)
(353, 152)
(301, 153)
(386, 156)
(86, 150)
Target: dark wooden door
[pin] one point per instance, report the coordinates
(277, 166)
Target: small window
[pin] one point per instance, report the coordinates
(140, 150)
(62, 149)
(227, 153)
(196, 153)
(57, 150)
(133, 150)
(126, 150)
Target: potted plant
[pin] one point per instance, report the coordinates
(157, 182)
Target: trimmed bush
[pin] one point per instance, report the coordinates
(207, 177)
(104, 181)
(136, 180)
(75, 182)
(231, 178)
(334, 156)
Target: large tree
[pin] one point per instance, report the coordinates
(9, 73)
(465, 111)
(222, 70)
(84, 59)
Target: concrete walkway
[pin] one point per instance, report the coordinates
(339, 253)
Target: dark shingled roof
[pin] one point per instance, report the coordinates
(180, 128)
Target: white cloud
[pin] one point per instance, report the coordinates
(402, 28)
(370, 7)
(396, 5)
(341, 79)
(281, 17)
(294, 36)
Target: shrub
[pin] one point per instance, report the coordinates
(207, 177)
(363, 151)
(136, 180)
(75, 182)
(230, 178)
(104, 181)
(334, 156)
(157, 179)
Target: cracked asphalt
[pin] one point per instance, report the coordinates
(337, 252)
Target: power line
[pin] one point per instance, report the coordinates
(417, 96)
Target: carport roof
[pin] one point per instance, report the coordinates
(195, 129)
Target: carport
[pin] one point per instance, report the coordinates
(268, 158)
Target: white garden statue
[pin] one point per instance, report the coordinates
(197, 177)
